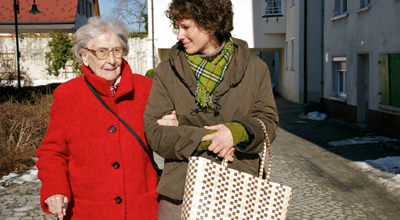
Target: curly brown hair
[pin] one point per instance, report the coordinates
(216, 15)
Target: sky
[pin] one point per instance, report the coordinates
(106, 7)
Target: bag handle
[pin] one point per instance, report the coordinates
(158, 170)
(264, 152)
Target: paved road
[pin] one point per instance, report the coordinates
(326, 184)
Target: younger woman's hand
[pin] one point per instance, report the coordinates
(222, 141)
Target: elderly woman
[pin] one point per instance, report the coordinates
(217, 89)
(90, 165)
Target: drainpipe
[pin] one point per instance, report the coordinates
(305, 51)
(322, 48)
(152, 31)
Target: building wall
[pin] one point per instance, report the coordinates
(33, 60)
(290, 79)
(363, 33)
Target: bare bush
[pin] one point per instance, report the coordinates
(22, 127)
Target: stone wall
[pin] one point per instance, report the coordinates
(33, 63)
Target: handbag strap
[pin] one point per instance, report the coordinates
(267, 144)
(158, 170)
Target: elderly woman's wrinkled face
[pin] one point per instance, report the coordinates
(194, 38)
(109, 68)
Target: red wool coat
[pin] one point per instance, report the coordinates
(91, 157)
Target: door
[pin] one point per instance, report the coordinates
(362, 88)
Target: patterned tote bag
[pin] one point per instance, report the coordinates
(214, 191)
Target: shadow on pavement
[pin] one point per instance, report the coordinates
(323, 132)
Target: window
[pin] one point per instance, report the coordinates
(292, 55)
(286, 55)
(88, 9)
(340, 7)
(390, 79)
(81, 7)
(339, 75)
(364, 3)
(273, 8)
(292, 2)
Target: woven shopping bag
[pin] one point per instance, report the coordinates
(214, 191)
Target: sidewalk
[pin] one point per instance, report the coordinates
(327, 181)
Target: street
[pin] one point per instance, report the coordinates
(326, 182)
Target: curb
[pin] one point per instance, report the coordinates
(392, 145)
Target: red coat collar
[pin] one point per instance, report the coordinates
(102, 86)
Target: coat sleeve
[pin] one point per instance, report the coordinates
(172, 143)
(264, 108)
(53, 155)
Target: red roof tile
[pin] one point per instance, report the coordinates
(53, 11)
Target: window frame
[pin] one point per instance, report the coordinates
(81, 7)
(279, 13)
(365, 3)
(286, 54)
(339, 7)
(88, 9)
(292, 53)
(339, 77)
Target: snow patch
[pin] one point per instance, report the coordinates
(384, 171)
(363, 140)
(314, 116)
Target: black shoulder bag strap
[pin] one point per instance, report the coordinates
(158, 170)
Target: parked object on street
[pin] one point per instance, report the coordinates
(90, 164)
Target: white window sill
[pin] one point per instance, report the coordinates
(389, 107)
(364, 9)
(345, 15)
(339, 99)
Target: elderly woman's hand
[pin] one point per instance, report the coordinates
(168, 120)
(57, 205)
(222, 141)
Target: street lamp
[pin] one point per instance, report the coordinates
(34, 11)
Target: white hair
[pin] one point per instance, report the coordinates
(95, 28)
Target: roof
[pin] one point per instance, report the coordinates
(54, 11)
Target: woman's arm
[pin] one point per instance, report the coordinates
(53, 155)
(170, 142)
(264, 108)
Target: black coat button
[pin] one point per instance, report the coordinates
(118, 200)
(113, 129)
(116, 165)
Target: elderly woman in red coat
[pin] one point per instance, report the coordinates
(90, 165)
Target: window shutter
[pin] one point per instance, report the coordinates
(385, 93)
(394, 74)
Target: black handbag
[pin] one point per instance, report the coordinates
(158, 170)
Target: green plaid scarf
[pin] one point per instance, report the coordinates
(210, 74)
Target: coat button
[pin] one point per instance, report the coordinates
(113, 129)
(116, 165)
(118, 200)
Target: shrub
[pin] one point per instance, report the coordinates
(141, 35)
(150, 73)
(24, 117)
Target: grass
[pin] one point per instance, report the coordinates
(24, 117)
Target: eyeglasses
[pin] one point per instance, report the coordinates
(103, 53)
